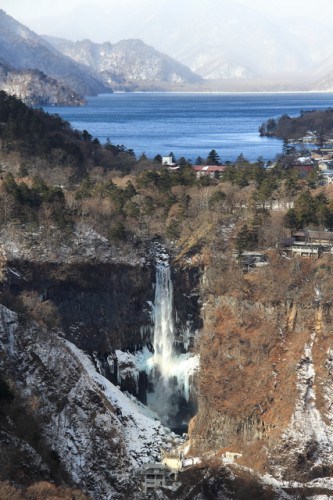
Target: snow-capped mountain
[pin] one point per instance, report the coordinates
(86, 67)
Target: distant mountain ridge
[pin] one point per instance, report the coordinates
(128, 64)
(231, 46)
(23, 49)
(214, 39)
(238, 52)
(60, 72)
(227, 40)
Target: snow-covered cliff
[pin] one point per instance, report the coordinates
(99, 434)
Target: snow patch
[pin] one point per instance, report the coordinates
(307, 424)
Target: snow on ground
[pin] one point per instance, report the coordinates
(84, 244)
(322, 482)
(307, 423)
(192, 461)
(321, 497)
(143, 432)
(8, 323)
(279, 485)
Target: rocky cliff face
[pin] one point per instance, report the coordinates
(36, 89)
(101, 295)
(93, 435)
(100, 306)
(265, 378)
(265, 383)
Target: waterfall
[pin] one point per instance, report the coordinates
(169, 372)
(164, 327)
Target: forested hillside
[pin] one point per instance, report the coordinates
(49, 168)
(316, 124)
(47, 164)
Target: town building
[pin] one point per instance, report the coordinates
(212, 171)
(249, 260)
(326, 170)
(307, 243)
(154, 476)
(304, 169)
(168, 161)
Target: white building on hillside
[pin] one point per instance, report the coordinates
(167, 160)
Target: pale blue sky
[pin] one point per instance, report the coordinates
(25, 11)
(113, 20)
(286, 34)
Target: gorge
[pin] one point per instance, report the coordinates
(251, 352)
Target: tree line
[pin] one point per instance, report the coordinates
(319, 123)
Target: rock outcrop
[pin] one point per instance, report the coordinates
(101, 294)
(34, 88)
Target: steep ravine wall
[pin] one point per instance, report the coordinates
(265, 386)
(93, 433)
(100, 306)
(104, 306)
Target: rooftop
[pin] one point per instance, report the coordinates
(156, 465)
(209, 168)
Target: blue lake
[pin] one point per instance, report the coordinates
(189, 124)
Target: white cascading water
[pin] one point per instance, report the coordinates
(163, 321)
(169, 372)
